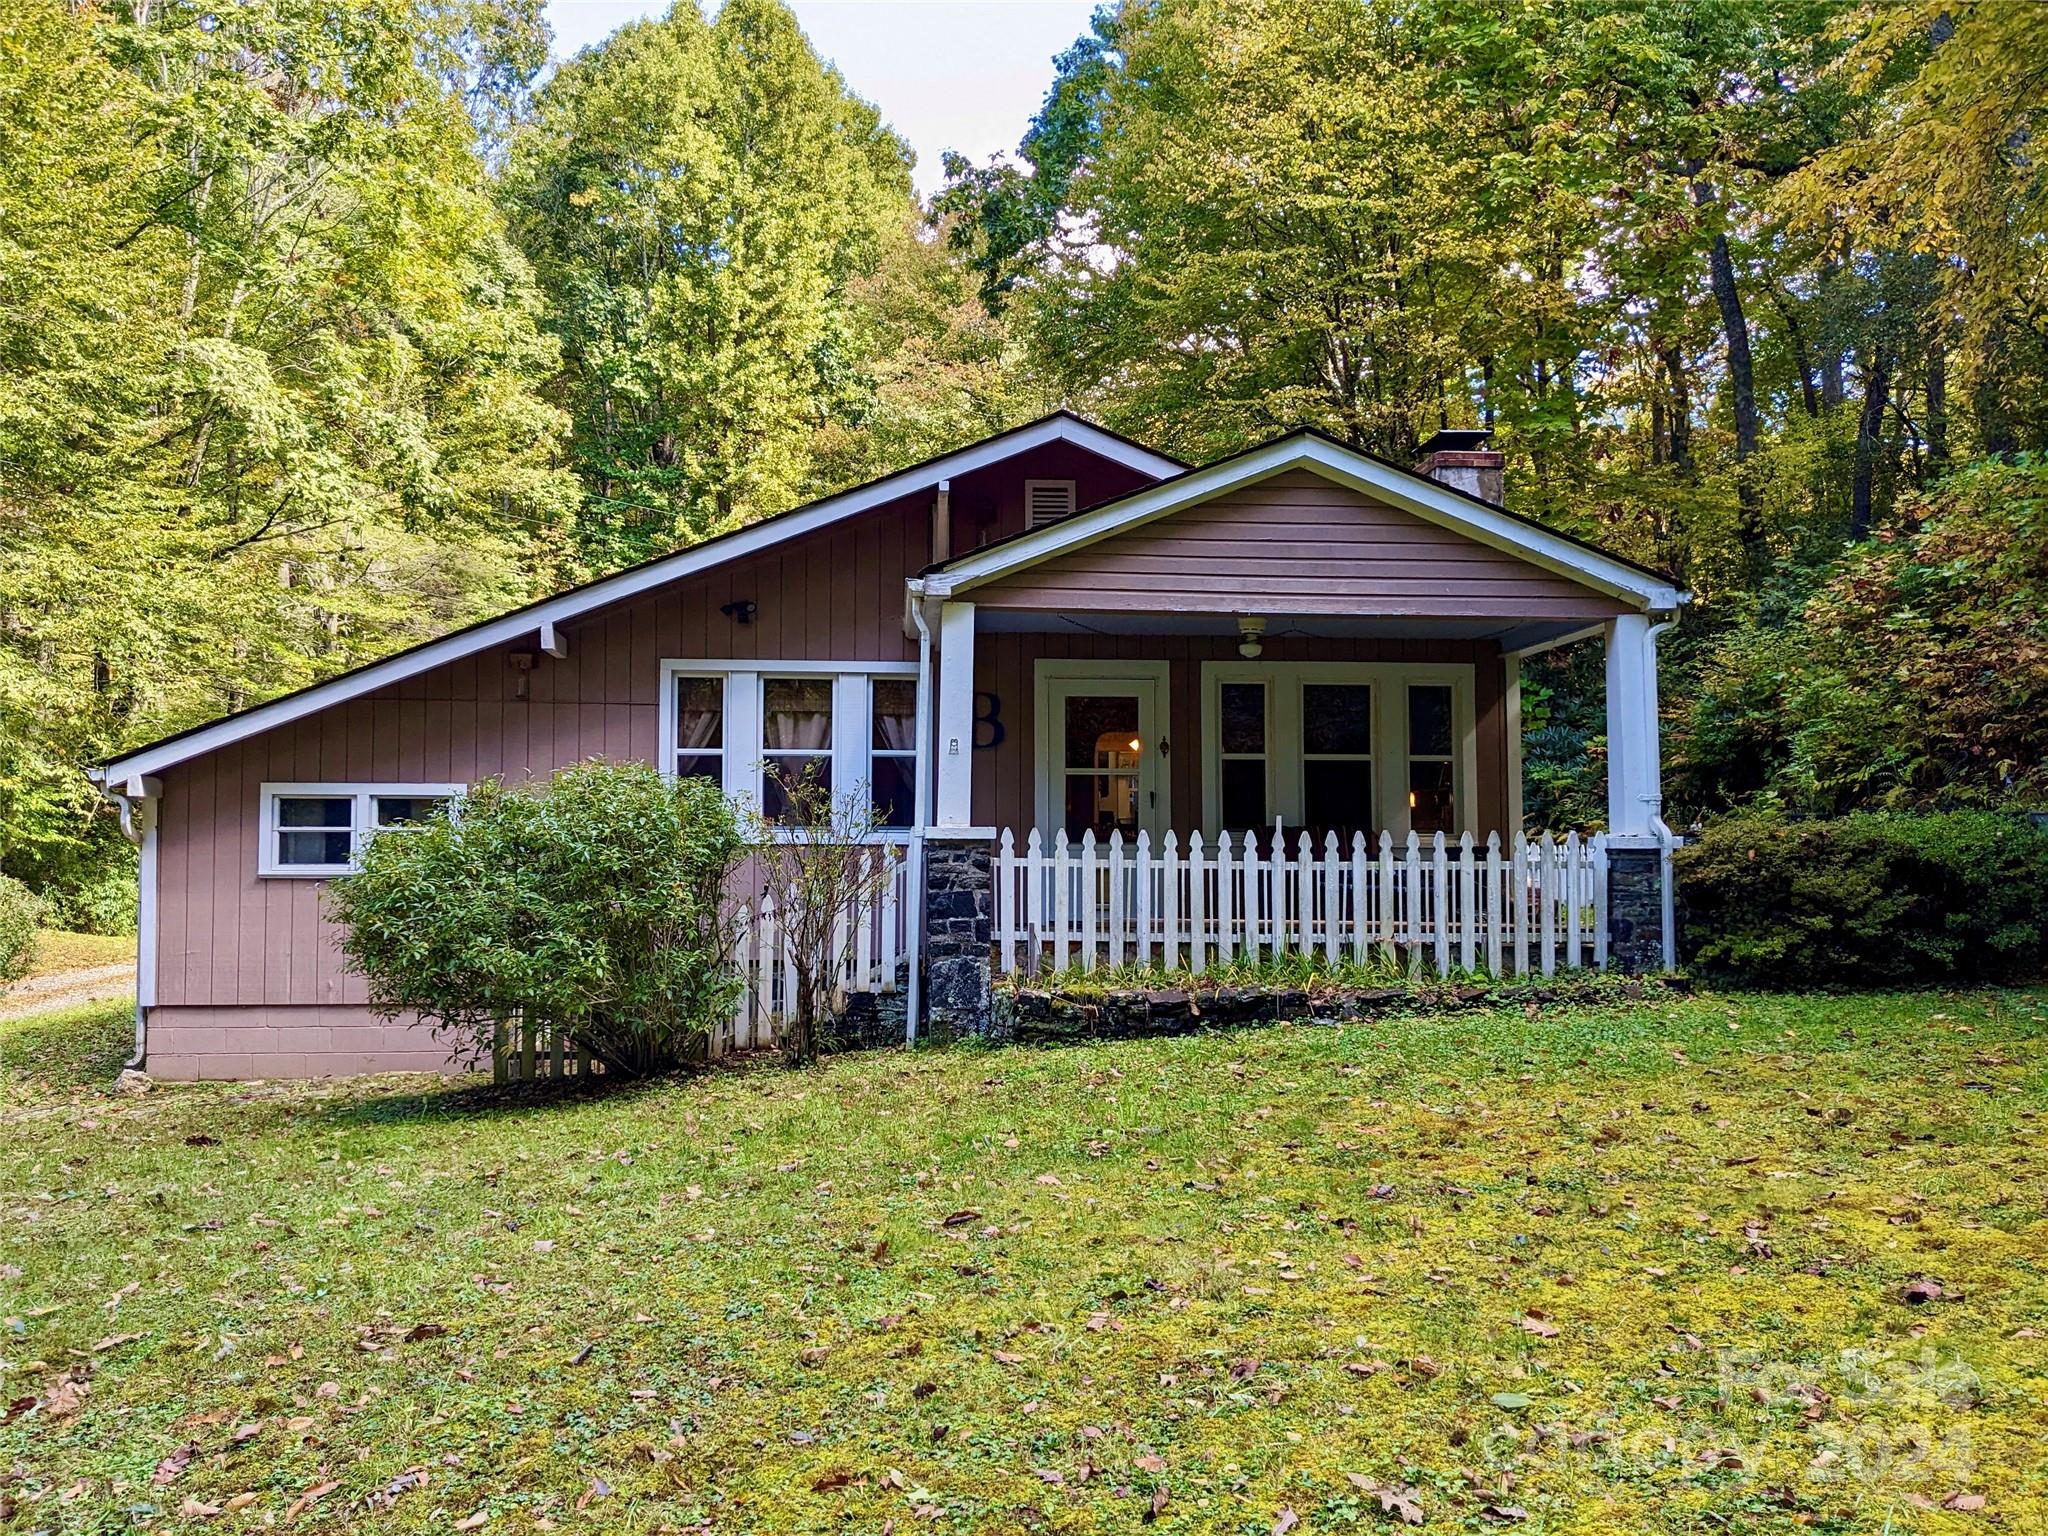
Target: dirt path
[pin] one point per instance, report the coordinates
(66, 989)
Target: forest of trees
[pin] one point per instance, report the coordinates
(328, 325)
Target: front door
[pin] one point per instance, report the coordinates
(1102, 770)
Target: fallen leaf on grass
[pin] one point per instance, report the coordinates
(1964, 1503)
(815, 1355)
(310, 1497)
(1285, 1521)
(197, 1509)
(114, 1341)
(961, 1218)
(1539, 1325)
(598, 1489)
(831, 1478)
(419, 1331)
(471, 1522)
(1159, 1502)
(168, 1469)
(1506, 1514)
(1512, 1401)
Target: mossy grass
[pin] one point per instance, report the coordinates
(1627, 1266)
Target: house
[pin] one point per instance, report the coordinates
(1052, 651)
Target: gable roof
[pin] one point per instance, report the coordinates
(1446, 506)
(565, 607)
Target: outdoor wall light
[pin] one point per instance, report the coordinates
(741, 610)
(1249, 630)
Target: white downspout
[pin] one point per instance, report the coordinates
(922, 815)
(137, 801)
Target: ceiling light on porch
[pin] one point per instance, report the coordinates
(1249, 629)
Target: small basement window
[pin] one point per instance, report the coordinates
(318, 830)
(1047, 501)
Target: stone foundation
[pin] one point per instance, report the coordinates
(1635, 909)
(959, 913)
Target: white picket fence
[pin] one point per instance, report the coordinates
(1536, 905)
(874, 939)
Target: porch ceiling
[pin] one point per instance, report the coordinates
(1512, 633)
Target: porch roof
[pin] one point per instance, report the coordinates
(1392, 594)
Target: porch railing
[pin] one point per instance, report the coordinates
(1531, 906)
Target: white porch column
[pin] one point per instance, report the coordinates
(1635, 792)
(955, 807)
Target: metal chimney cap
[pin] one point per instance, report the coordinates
(1458, 440)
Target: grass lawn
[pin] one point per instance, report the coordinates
(58, 951)
(1641, 1270)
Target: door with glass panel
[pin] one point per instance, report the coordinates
(1104, 757)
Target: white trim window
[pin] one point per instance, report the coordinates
(1338, 746)
(853, 725)
(317, 831)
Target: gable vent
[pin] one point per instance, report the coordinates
(1047, 501)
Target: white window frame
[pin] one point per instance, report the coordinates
(1156, 775)
(1389, 682)
(852, 719)
(361, 828)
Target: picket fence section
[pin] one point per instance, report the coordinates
(871, 939)
(1532, 907)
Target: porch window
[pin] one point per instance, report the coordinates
(319, 830)
(1336, 757)
(1337, 746)
(1242, 726)
(796, 737)
(1431, 763)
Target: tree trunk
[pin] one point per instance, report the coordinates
(1681, 412)
(1802, 359)
(1869, 431)
(1742, 389)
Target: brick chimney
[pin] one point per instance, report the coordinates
(1460, 458)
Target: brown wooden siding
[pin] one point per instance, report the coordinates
(1296, 543)
(238, 951)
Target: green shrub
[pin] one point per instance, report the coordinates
(1866, 900)
(21, 914)
(593, 905)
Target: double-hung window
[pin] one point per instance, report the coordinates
(754, 726)
(320, 829)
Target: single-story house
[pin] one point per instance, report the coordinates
(1100, 696)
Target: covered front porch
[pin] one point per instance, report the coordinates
(1273, 706)
(1193, 790)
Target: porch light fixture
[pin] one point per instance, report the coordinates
(740, 611)
(1249, 630)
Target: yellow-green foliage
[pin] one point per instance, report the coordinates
(1623, 1270)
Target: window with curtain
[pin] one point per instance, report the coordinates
(892, 751)
(700, 728)
(796, 736)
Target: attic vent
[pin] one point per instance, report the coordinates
(1047, 501)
